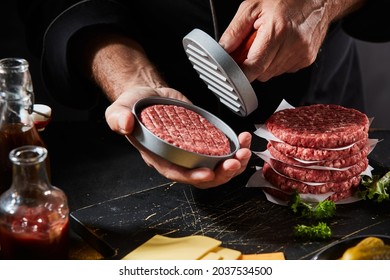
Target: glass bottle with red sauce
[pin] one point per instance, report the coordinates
(16, 124)
(34, 215)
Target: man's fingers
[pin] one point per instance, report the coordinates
(120, 119)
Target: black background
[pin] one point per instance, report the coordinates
(375, 61)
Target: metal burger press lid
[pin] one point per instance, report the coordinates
(220, 72)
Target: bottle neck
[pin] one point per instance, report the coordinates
(15, 78)
(16, 111)
(30, 176)
(29, 169)
(16, 90)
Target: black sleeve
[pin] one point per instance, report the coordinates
(60, 78)
(370, 23)
(36, 15)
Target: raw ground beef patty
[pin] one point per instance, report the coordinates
(185, 129)
(341, 162)
(319, 176)
(319, 126)
(289, 185)
(334, 197)
(318, 154)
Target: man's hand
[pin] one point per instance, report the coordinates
(289, 33)
(121, 68)
(202, 178)
(121, 120)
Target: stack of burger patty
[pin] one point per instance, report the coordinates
(322, 149)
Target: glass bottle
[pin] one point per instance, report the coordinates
(16, 124)
(34, 215)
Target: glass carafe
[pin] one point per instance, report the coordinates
(16, 123)
(34, 215)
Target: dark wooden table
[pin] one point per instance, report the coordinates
(117, 202)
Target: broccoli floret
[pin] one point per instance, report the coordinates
(312, 211)
(324, 210)
(321, 231)
(376, 188)
(319, 211)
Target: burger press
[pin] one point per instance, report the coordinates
(221, 73)
(224, 78)
(173, 153)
